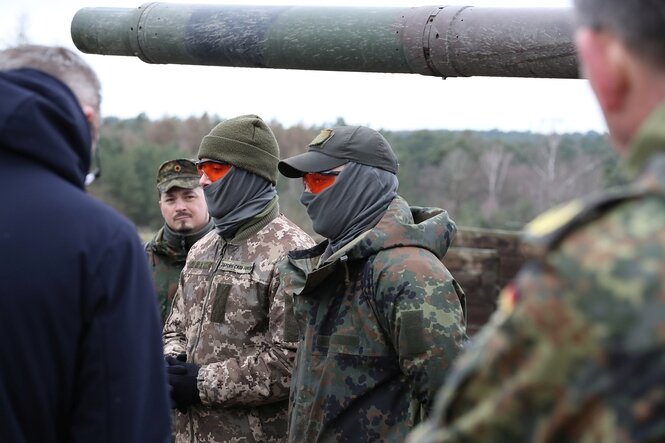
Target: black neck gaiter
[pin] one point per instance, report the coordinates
(175, 245)
(353, 204)
(236, 198)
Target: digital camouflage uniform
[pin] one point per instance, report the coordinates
(380, 322)
(229, 317)
(167, 252)
(577, 351)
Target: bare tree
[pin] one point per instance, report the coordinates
(559, 180)
(494, 164)
(545, 168)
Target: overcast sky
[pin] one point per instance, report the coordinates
(382, 101)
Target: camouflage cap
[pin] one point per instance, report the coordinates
(179, 173)
(339, 145)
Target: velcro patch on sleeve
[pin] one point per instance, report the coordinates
(291, 329)
(411, 340)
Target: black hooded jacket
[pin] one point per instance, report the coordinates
(80, 343)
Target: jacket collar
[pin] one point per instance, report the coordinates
(650, 140)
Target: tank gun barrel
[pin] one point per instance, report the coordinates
(442, 41)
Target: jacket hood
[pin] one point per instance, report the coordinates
(404, 226)
(41, 119)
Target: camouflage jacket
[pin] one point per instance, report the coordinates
(166, 254)
(380, 322)
(228, 317)
(576, 352)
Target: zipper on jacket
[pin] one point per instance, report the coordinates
(207, 297)
(198, 334)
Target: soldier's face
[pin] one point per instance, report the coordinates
(184, 210)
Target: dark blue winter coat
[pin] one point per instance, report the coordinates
(80, 343)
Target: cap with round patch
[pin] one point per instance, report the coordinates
(339, 145)
(179, 173)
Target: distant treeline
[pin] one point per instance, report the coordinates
(491, 179)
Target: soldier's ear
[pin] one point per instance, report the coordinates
(93, 121)
(606, 63)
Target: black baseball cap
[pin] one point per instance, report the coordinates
(339, 145)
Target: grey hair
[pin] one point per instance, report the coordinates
(639, 24)
(62, 63)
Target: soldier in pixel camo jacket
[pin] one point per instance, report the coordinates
(228, 356)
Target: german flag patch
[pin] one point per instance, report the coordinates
(508, 299)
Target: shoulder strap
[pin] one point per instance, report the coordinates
(547, 230)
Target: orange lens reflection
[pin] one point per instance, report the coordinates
(213, 170)
(316, 182)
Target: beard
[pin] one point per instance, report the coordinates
(183, 225)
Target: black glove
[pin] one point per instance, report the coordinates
(182, 381)
(170, 360)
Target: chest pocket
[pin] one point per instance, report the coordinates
(235, 290)
(344, 344)
(347, 327)
(219, 303)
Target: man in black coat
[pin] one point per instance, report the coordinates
(81, 344)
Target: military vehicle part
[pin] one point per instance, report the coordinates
(443, 41)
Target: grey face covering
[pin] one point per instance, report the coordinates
(355, 203)
(236, 198)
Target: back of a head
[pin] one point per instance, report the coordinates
(639, 24)
(61, 63)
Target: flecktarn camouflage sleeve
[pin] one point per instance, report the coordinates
(576, 350)
(420, 301)
(540, 371)
(502, 382)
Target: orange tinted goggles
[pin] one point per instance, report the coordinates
(316, 182)
(212, 169)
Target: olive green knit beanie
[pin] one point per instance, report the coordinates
(246, 142)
